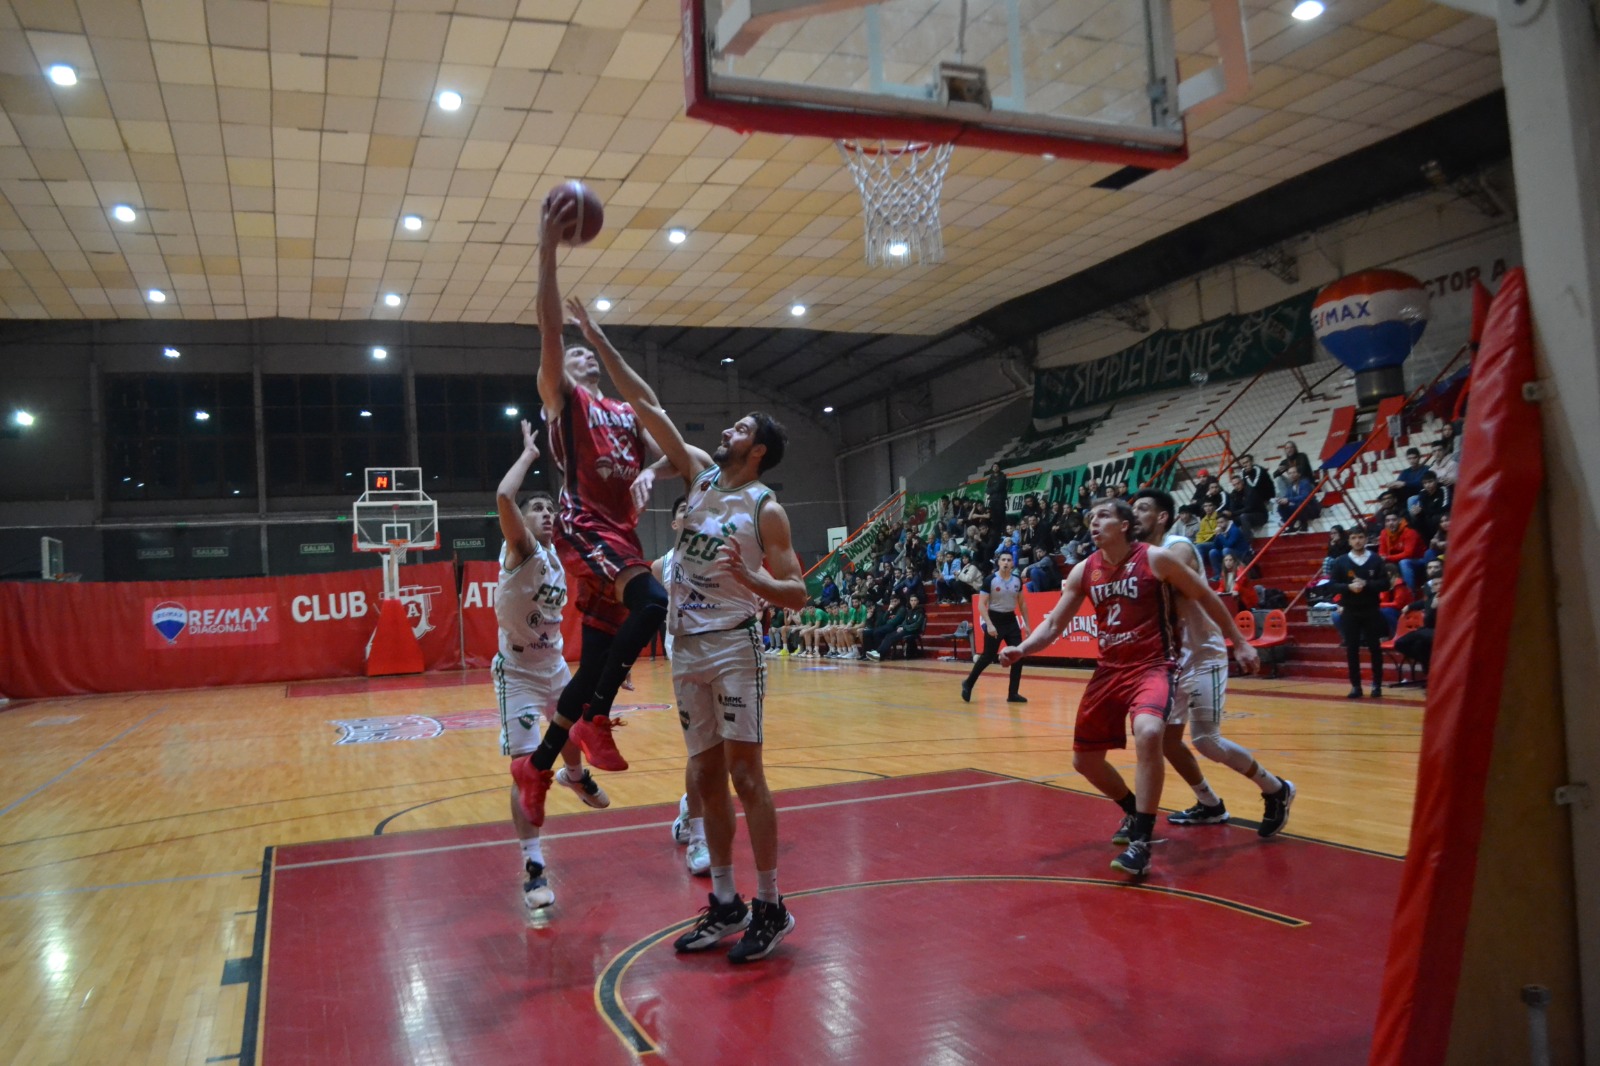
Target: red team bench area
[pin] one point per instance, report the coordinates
(911, 947)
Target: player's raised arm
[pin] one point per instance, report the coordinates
(1173, 571)
(1055, 623)
(518, 541)
(554, 383)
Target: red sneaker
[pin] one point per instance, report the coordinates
(532, 785)
(593, 735)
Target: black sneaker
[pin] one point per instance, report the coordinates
(1276, 815)
(1377, 692)
(1124, 831)
(769, 924)
(1135, 862)
(1354, 693)
(536, 890)
(966, 692)
(717, 921)
(1016, 697)
(1200, 814)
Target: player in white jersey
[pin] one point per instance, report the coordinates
(1201, 690)
(529, 670)
(718, 590)
(690, 825)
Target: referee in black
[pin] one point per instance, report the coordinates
(998, 602)
(1359, 577)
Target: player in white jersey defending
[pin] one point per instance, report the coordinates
(1202, 687)
(718, 590)
(690, 825)
(529, 671)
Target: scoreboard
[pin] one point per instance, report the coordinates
(394, 479)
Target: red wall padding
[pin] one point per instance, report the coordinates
(478, 582)
(66, 639)
(1078, 642)
(1502, 470)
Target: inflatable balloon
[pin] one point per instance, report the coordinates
(1370, 321)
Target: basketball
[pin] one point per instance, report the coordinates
(591, 214)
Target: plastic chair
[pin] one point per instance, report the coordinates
(1274, 635)
(1409, 622)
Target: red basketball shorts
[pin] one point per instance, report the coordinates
(1116, 694)
(593, 555)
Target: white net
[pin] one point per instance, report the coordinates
(900, 194)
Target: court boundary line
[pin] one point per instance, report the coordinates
(43, 892)
(13, 805)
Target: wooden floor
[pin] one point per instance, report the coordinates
(132, 827)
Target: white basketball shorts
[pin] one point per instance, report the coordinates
(720, 680)
(1201, 692)
(524, 692)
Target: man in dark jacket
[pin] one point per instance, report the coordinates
(1358, 577)
(1258, 492)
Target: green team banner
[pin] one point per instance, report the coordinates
(852, 552)
(1234, 346)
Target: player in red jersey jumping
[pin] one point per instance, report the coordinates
(600, 448)
(1131, 585)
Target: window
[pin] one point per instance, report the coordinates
(465, 438)
(171, 436)
(322, 430)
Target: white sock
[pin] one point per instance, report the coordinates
(767, 885)
(533, 850)
(697, 830)
(722, 884)
(1265, 781)
(1205, 795)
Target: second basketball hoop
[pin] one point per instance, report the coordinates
(900, 189)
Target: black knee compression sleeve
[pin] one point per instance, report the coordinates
(570, 704)
(646, 601)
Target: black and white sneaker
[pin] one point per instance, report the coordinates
(769, 924)
(1200, 814)
(584, 784)
(536, 890)
(1124, 832)
(1135, 862)
(717, 921)
(1276, 815)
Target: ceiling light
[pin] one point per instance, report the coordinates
(727, 360)
(450, 100)
(512, 412)
(171, 353)
(380, 353)
(202, 416)
(236, 492)
(140, 485)
(797, 310)
(62, 74)
(899, 248)
(22, 418)
(366, 414)
(677, 236)
(1306, 10)
(392, 299)
(127, 479)
(156, 296)
(602, 304)
(412, 222)
(124, 213)
(828, 410)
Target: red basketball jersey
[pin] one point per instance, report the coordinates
(599, 447)
(1134, 609)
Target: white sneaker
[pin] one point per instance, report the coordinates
(874, 656)
(587, 788)
(698, 858)
(680, 824)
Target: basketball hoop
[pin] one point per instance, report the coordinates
(900, 196)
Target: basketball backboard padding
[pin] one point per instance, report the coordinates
(1229, 81)
(1085, 79)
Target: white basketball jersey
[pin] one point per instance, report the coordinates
(527, 603)
(701, 603)
(1202, 643)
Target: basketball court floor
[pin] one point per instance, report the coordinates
(324, 873)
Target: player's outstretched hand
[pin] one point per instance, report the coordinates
(578, 315)
(558, 223)
(1009, 655)
(529, 445)
(642, 486)
(1249, 660)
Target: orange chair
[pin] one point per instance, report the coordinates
(1274, 635)
(1247, 624)
(1409, 621)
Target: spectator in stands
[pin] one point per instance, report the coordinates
(1435, 497)
(1031, 506)
(910, 627)
(1442, 461)
(1293, 459)
(1028, 536)
(1357, 578)
(1007, 546)
(1230, 583)
(1203, 484)
(1042, 575)
(1297, 491)
(1078, 543)
(944, 584)
(1237, 498)
(1409, 480)
(1436, 546)
(1207, 531)
(1231, 537)
(1187, 521)
(995, 490)
(882, 621)
(1258, 492)
(830, 592)
(1417, 645)
(1389, 503)
(1399, 544)
(1394, 599)
(968, 580)
(1338, 544)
